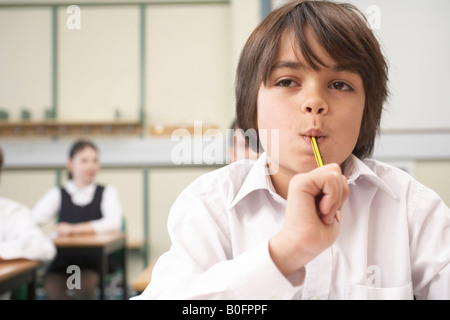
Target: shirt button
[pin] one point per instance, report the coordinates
(314, 298)
(275, 298)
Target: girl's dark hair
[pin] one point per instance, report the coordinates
(343, 32)
(79, 146)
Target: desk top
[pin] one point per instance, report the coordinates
(89, 241)
(144, 278)
(11, 268)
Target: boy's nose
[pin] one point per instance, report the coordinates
(317, 110)
(315, 104)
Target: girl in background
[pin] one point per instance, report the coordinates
(82, 207)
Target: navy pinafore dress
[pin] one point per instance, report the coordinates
(73, 213)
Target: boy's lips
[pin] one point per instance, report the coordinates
(314, 132)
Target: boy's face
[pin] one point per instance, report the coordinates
(301, 102)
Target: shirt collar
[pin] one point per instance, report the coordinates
(72, 188)
(355, 169)
(258, 178)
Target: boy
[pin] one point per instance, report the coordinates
(281, 228)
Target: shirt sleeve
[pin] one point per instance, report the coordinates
(22, 238)
(201, 265)
(430, 244)
(111, 210)
(47, 207)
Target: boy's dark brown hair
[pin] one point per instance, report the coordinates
(343, 32)
(1, 160)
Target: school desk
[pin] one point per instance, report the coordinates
(101, 245)
(16, 273)
(143, 279)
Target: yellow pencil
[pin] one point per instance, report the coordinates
(318, 157)
(316, 152)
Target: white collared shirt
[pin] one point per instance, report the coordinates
(20, 237)
(49, 205)
(394, 240)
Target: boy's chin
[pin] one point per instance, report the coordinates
(291, 168)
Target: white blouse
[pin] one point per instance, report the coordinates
(20, 237)
(394, 240)
(49, 205)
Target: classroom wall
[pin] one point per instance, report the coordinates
(188, 74)
(436, 175)
(189, 58)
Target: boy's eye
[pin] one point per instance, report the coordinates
(286, 83)
(340, 85)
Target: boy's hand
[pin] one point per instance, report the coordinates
(314, 200)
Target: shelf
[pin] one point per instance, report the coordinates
(63, 128)
(168, 130)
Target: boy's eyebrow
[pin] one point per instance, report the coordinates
(297, 66)
(338, 68)
(287, 64)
